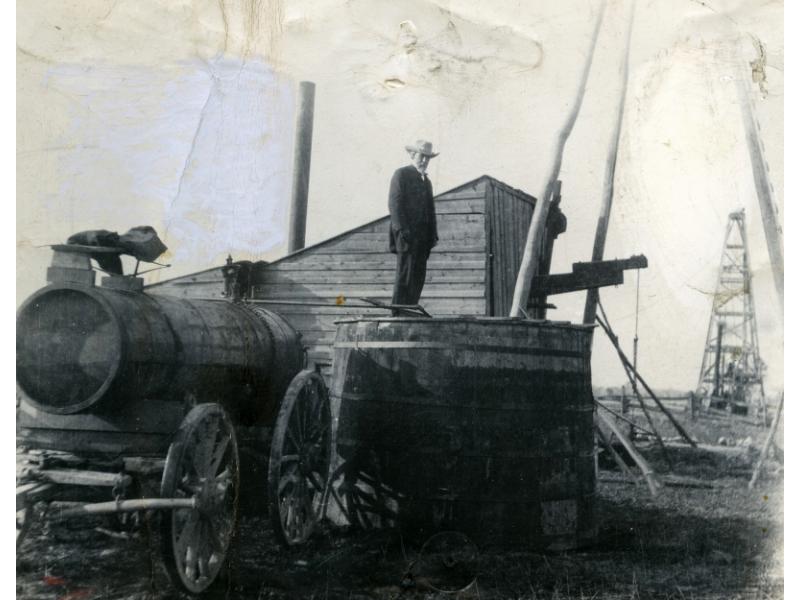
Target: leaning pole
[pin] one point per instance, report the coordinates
(533, 246)
(764, 190)
(593, 295)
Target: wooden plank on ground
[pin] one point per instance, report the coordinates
(33, 491)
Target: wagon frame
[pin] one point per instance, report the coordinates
(199, 484)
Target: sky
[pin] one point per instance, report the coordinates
(180, 115)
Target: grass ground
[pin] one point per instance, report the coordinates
(709, 537)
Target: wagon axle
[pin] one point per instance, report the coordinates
(123, 506)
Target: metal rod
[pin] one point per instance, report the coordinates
(533, 243)
(100, 508)
(717, 359)
(302, 166)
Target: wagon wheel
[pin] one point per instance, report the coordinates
(448, 562)
(370, 502)
(300, 458)
(203, 463)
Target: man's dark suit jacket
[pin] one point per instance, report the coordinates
(413, 219)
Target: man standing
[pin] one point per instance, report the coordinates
(413, 223)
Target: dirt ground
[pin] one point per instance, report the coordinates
(704, 536)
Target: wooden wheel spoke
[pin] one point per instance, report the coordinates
(199, 462)
(310, 406)
(188, 532)
(189, 565)
(292, 517)
(291, 437)
(225, 476)
(218, 454)
(317, 481)
(297, 417)
(186, 486)
(292, 477)
(204, 438)
(290, 458)
(318, 410)
(221, 528)
(296, 511)
(318, 430)
(211, 536)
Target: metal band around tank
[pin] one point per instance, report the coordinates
(467, 347)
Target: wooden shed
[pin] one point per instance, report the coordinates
(472, 271)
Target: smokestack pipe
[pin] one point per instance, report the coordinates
(304, 127)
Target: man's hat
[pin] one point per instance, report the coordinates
(422, 147)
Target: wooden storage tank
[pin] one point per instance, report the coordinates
(481, 425)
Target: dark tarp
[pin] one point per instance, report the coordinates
(140, 242)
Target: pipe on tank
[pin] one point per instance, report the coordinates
(302, 166)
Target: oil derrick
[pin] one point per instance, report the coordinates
(731, 376)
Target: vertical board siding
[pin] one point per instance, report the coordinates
(508, 218)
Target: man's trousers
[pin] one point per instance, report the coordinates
(410, 275)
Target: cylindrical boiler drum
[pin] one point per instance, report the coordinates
(481, 425)
(84, 347)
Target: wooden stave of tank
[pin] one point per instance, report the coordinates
(484, 425)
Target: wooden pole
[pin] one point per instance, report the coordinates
(663, 408)
(629, 372)
(644, 466)
(302, 166)
(646, 412)
(592, 296)
(767, 444)
(769, 217)
(615, 455)
(533, 243)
